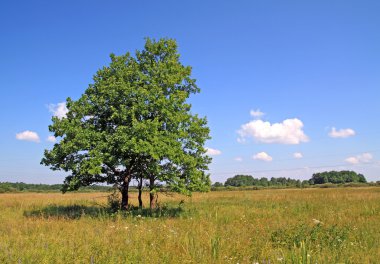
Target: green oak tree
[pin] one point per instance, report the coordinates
(134, 122)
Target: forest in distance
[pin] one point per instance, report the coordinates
(327, 177)
(238, 182)
(10, 187)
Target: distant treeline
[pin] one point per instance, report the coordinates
(26, 187)
(328, 179)
(333, 177)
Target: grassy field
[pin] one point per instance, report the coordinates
(267, 226)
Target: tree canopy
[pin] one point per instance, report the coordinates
(337, 177)
(239, 180)
(134, 122)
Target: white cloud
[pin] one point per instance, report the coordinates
(298, 155)
(213, 152)
(51, 139)
(352, 160)
(362, 158)
(262, 156)
(239, 159)
(256, 113)
(341, 133)
(59, 110)
(288, 132)
(28, 136)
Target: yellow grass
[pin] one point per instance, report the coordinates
(266, 226)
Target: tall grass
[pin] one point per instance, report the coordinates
(264, 226)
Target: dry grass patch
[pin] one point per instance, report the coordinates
(266, 226)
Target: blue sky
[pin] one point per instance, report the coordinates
(310, 66)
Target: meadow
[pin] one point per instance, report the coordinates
(340, 225)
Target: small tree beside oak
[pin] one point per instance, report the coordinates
(134, 122)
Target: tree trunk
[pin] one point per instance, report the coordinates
(140, 193)
(152, 197)
(152, 194)
(124, 194)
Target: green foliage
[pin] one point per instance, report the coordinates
(248, 180)
(218, 184)
(282, 181)
(337, 177)
(134, 121)
(240, 180)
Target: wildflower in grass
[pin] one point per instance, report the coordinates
(317, 222)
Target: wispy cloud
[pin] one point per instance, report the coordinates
(341, 133)
(262, 156)
(256, 113)
(51, 139)
(238, 159)
(298, 155)
(28, 135)
(213, 152)
(59, 110)
(362, 158)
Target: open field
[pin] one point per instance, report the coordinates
(266, 226)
